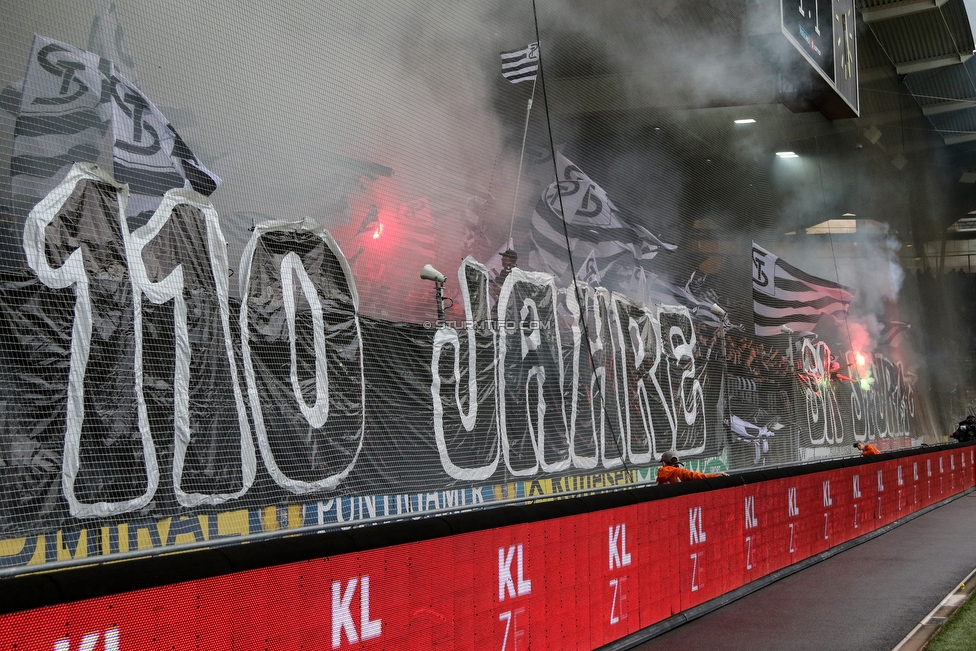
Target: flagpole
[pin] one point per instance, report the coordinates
(518, 179)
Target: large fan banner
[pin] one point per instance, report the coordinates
(153, 399)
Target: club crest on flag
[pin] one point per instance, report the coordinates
(593, 224)
(71, 100)
(763, 263)
(521, 65)
(63, 118)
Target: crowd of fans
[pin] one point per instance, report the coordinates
(749, 357)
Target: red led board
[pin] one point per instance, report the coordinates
(577, 582)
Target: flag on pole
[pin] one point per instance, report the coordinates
(589, 272)
(596, 229)
(521, 65)
(63, 117)
(71, 100)
(107, 40)
(783, 295)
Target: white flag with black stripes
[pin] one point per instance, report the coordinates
(71, 103)
(149, 155)
(595, 229)
(783, 295)
(521, 65)
(63, 118)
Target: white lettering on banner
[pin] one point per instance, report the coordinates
(748, 552)
(886, 407)
(518, 586)
(750, 504)
(792, 530)
(317, 414)
(901, 480)
(342, 620)
(639, 354)
(941, 469)
(530, 340)
(172, 288)
(928, 467)
(697, 534)
(915, 470)
(89, 641)
(599, 317)
(619, 556)
(578, 460)
(674, 393)
(880, 481)
(292, 266)
(472, 275)
(655, 400)
(72, 274)
(694, 573)
(824, 422)
(655, 346)
(676, 345)
(792, 509)
(857, 496)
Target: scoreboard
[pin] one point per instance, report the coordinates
(824, 33)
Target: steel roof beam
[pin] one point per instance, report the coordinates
(909, 67)
(949, 107)
(899, 9)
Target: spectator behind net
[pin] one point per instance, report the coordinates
(509, 261)
(966, 431)
(867, 450)
(671, 471)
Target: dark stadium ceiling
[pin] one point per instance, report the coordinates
(909, 159)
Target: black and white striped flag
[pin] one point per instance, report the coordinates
(589, 272)
(71, 101)
(892, 333)
(596, 229)
(783, 295)
(521, 65)
(149, 155)
(63, 118)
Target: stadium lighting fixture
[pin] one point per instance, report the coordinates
(745, 121)
(787, 154)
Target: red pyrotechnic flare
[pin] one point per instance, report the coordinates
(378, 231)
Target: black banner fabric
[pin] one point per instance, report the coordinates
(137, 379)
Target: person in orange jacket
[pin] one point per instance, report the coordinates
(671, 471)
(867, 450)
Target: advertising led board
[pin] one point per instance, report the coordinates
(575, 582)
